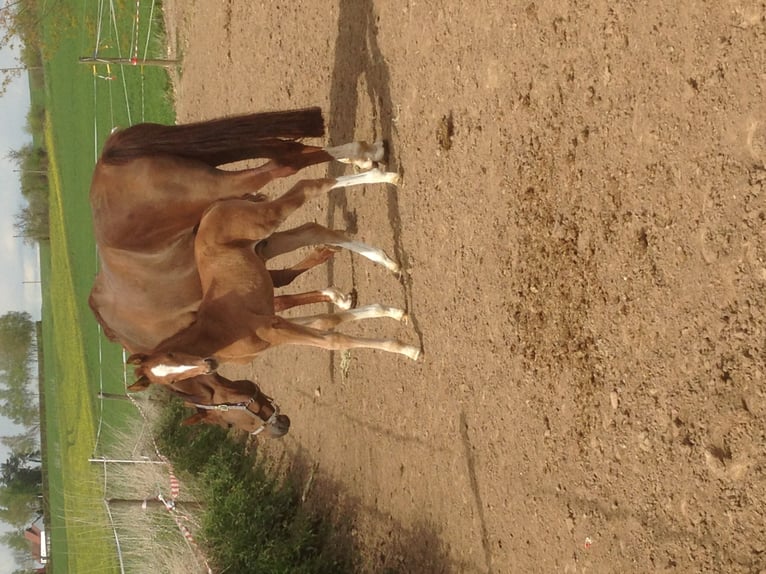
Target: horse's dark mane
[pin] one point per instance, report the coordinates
(219, 141)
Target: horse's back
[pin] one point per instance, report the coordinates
(139, 204)
(143, 298)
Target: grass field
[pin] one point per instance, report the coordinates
(71, 414)
(82, 109)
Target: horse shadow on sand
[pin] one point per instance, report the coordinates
(402, 549)
(358, 55)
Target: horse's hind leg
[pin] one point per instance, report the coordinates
(329, 295)
(372, 176)
(298, 156)
(239, 219)
(286, 332)
(282, 242)
(282, 277)
(359, 153)
(327, 321)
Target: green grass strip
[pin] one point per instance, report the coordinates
(89, 544)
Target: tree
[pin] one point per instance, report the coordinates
(18, 25)
(21, 480)
(18, 505)
(22, 472)
(21, 25)
(27, 441)
(17, 350)
(32, 221)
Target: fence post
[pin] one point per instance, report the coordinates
(128, 61)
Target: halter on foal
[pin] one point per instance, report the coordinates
(226, 414)
(240, 404)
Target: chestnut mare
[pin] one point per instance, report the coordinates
(236, 319)
(223, 402)
(149, 190)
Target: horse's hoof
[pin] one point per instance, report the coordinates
(392, 266)
(414, 353)
(363, 164)
(403, 271)
(379, 151)
(346, 302)
(396, 314)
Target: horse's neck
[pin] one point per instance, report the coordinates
(194, 339)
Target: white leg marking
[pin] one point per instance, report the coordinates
(372, 253)
(372, 176)
(411, 352)
(376, 310)
(396, 347)
(340, 300)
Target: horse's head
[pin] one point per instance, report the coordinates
(166, 368)
(220, 401)
(239, 404)
(277, 424)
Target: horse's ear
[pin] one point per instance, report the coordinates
(140, 385)
(194, 419)
(136, 359)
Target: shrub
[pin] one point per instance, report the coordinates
(252, 522)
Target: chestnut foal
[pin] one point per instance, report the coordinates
(223, 402)
(236, 319)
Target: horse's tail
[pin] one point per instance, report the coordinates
(219, 141)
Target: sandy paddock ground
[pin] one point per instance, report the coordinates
(583, 214)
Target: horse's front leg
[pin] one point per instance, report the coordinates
(326, 321)
(329, 295)
(282, 277)
(286, 332)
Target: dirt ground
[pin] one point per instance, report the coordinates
(583, 213)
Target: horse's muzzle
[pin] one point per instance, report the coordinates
(280, 426)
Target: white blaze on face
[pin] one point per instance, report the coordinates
(165, 370)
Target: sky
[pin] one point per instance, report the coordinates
(20, 275)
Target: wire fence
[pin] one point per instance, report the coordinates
(142, 498)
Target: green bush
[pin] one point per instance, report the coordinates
(252, 522)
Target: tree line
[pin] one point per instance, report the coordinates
(21, 473)
(20, 28)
